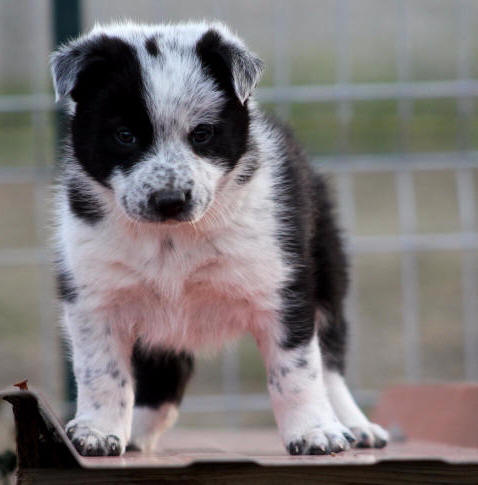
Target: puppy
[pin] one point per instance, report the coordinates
(186, 218)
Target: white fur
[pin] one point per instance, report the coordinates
(300, 402)
(149, 424)
(192, 285)
(349, 413)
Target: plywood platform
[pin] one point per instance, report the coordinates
(254, 456)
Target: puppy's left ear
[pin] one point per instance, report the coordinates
(231, 64)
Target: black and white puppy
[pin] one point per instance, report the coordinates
(188, 217)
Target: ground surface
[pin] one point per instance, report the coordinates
(181, 447)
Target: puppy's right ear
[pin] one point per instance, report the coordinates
(85, 65)
(66, 63)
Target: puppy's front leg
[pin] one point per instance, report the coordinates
(101, 362)
(304, 415)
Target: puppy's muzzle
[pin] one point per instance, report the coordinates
(169, 204)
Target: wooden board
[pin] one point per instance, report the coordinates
(205, 456)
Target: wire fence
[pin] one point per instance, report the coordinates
(344, 167)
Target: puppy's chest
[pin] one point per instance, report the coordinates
(228, 267)
(183, 267)
(200, 292)
(242, 266)
(183, 292)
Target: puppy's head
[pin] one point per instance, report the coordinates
(159, 113)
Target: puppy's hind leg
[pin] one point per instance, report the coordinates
(331, 281)
(332, 341)
(161, 377)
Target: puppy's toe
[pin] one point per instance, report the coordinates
(370, 435)
(338, 442)
(322, 441)
(113, 445)
(313, 443)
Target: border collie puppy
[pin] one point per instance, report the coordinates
(186, 218)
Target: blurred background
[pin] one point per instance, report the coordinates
(382, 93)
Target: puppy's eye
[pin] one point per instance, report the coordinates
(125, 137)
(202, 134)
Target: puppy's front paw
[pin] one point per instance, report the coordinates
(92, 442)
(321, 441)
(370, 435)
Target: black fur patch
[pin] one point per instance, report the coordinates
(65, 286)
(331, 280)
(311, 241)
(216, 59)
(298, 307)
(161, 376)
(83, 205)
(333, 342)
(232, 131)
(152, 47)
(108, 91)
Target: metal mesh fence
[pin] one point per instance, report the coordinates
(406, 173)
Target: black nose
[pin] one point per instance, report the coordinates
(168, 203)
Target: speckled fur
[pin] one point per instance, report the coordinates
(232, 267)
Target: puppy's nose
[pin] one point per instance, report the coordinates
(168, 203)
